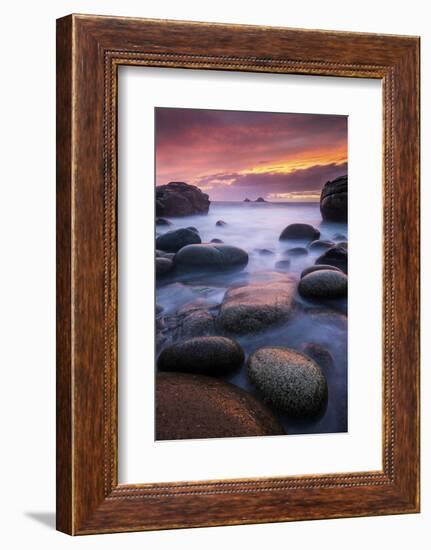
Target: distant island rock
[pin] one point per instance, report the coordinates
(180, 199)
(333, 200)
(260, 199)
(247, 200)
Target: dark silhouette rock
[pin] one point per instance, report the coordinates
(190, 406)
(296, 251)
(172, 241)
(300, 231)
(220, 223)
(320, 245)
(333, 200)
(193, 228)
(209, 355)
(290, 380)
(163, 221)
(260, 199)
(313, 268)
(180, 199)
(247, 200)
(264, 251)
(334, 256)
(216, 241)
(211, 256)
(163, 266)
(323, 284)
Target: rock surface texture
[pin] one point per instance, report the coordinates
(191, 406)
(290, 380)
(209, 355)
(211, 256)
(300, 231)
(323, 284)
(173, 240)
(255, 307)
(180, 199)
(333, 200)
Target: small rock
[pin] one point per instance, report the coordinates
(172, 241)
(216, 241)
(168, 255)
(211, 256)
(300, 231)
(190, 406)
(220, 223)
(209, 355)
(290, 380)
(163, 266)
(334, 256)
(264, 251)
(313, 268)
(296, 251)
(320, 245)
(323, 284)
(260, 199)
(319, 354)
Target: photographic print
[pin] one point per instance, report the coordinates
(251, 246)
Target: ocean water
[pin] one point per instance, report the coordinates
(254, 226)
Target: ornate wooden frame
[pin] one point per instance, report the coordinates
(89, 51)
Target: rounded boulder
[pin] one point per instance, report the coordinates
(211, 256)
(323, 284)
(300, 231)
(174, 240)
(209, 355)
(288, 379)
(190, 406)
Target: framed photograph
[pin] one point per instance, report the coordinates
(237, 274)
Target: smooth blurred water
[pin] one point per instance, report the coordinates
(254, 226)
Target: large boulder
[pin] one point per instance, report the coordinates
(180, 199)
(210, 355)
(313, 268)
(173, 240)
(290, 380)
(212, 256)
(336, 256)
(323, 284)
(190, 406)
(300, 231)
(255, 307)
(333, 200)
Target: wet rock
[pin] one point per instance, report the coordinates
(282, 265)
(219, 257)
(323, 284)
(319, 354)
(264, 251)
(192, 406)
(320, 245)
(290, 380)
(300, 231)
(220, 223)
(255, 307)
(180, 199)
(172, 241)
(193, 228)
(296, 251)
(163, 266)
(216, 241)
(313, 268)
(333, 200)
(334, 256)
(163, 221)
(209, 355)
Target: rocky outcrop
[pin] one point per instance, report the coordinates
(290, 380)
(190, 406)
(209, 355)
(180, 199)
(333, 200)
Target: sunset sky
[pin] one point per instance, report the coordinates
(232, 155)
